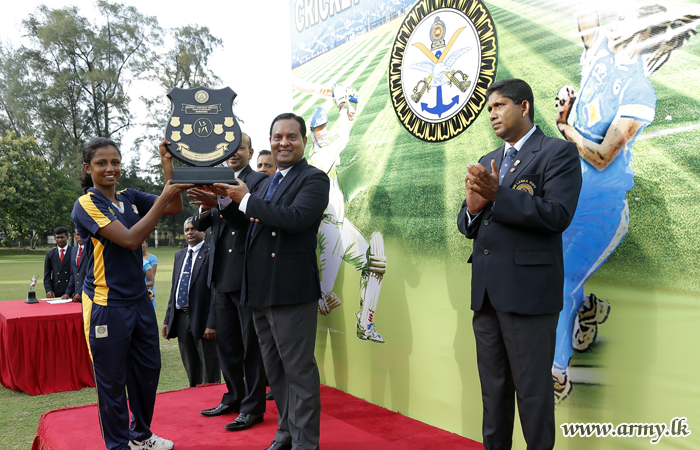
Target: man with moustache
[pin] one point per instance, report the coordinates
(266, 163)
(189, 316)
(236, 341)
(516, 212)
(281, 279)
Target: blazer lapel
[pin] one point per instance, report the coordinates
(288, 179)
(197, 263)
(524, 157)
(244, 173)
(285, 183)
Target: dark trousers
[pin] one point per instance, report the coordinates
(239, 355)
(288, 340)
(514, 354)
(124, 347)
(198, 355)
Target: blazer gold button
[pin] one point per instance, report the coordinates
(230, 250)
(233, 233)
(273, 255)
(257, 220)
(251, 219)
(274, 234)
(221, 216)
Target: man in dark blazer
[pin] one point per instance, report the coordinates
(281, 280)
(516, 211)
(57, 268)
(236, 341)
(78, 266)
(193, 323)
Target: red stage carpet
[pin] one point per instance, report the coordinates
(347, 423)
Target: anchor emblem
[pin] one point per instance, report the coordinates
(439, 67)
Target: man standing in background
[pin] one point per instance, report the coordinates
(236, 340)
(189, 316)
(78, 266)
(57, 266)
(266, 162)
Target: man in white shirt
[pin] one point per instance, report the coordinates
(57, 266)
(189, 316)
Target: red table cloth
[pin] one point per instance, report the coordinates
(43, 348)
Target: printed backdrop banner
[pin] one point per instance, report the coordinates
(393, 94)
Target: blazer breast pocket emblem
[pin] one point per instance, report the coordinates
(525, 185)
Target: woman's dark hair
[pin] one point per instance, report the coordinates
(89, 150)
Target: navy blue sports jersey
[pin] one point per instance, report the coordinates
(114, 273)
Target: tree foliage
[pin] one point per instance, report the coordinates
(34, 198)
(83, 68)
(70, 78)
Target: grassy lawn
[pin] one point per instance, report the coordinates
(19, 412)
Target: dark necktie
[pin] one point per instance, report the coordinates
(507, 163)
(273, 185)
(182, 293)
(62, 250)
(271, 190)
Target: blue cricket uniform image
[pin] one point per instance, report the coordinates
(608, 91)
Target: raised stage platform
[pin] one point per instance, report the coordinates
(347, 423)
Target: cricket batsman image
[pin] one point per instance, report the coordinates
(338, 238)
(614, 104)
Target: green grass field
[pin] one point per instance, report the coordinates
(412, 191)
(19, 412)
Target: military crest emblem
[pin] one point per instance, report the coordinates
(202, 128)
(443, 59)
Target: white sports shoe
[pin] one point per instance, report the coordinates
(369, 334)
(152, 443)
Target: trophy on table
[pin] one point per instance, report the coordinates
(31, 295)
(203, 132)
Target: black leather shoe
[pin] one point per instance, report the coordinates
(220, 410)
(279, 446)
(269, 395)
(244, 421)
